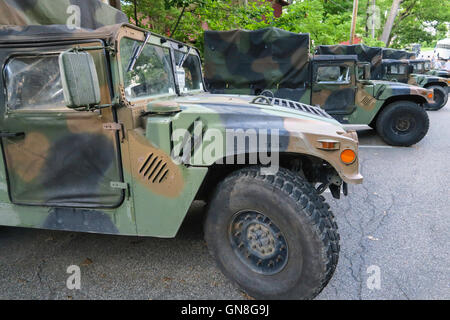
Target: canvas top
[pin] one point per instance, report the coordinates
(266, 57)
(84, 14)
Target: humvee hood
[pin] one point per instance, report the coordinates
(242, 105)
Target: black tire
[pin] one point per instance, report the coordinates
(403, 123)
(303, 220)
(440, 98)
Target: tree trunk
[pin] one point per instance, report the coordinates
(354, 19)
(386, 36)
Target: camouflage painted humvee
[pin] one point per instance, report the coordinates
(421, 66)
(277, 63)
(424, 66)
(110, 131)
(396, 65)
(412, 72)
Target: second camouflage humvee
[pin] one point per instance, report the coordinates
(395, 65)
(424, 66)
(421, 66)
(413, 73)
(111, 131)
(277, 63)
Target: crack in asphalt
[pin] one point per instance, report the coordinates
(362, 226)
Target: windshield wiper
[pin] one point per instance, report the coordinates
(138, 52)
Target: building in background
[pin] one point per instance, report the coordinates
(278, 5)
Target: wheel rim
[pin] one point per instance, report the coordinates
(404, 124)
(258, 242)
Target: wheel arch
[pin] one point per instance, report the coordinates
(412, 98)
(288, 160)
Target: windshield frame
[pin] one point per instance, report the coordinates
(138, 34)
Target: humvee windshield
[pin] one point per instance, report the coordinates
(153, 74)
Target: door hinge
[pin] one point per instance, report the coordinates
(116, 127)
(112, 126)
(121, 185)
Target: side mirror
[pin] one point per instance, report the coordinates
(79, 80)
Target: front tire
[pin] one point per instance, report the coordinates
(440, 98)
(403, 123)
(273, 236)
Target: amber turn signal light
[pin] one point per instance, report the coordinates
(327, 145)
(348, 156)
(430, 96)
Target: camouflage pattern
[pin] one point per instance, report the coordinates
(87, 14)
(277, 57)
(419, 78)
(395, 54)
(382, 60)
(427, 69)
(352, 101)
(439, 73)
(373, 55)
(111, 170)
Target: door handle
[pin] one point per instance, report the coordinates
(11, 134)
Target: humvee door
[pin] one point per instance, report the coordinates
(56, 156)
(334, 87)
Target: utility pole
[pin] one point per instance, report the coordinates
(374, 7)
(355, 16)
(390, 22)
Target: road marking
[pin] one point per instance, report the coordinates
(378, 147)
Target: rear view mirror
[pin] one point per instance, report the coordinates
(79, 80)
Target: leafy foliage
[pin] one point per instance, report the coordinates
(328, 21)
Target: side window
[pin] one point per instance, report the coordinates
(396, 69)
(34, 83)
(336, 74)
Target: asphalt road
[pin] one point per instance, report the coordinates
(397, 221)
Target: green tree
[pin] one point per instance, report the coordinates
(328, 21)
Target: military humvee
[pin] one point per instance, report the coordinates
(111, 131)
(278, 64)
(412, 72)
(424, 66)
(396, 65)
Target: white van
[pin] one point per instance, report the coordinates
(442, 50)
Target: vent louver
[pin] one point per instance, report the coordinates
(294, 105)
(154, 169)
